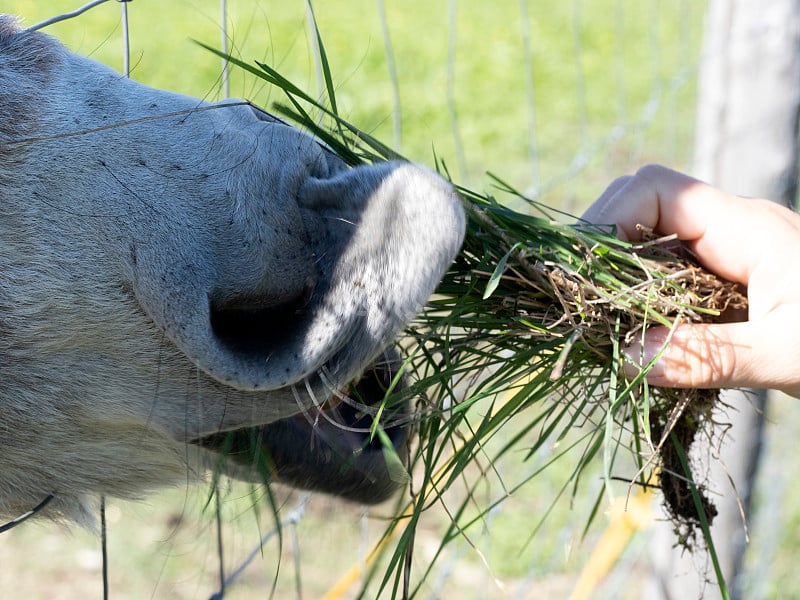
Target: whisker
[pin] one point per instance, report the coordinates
(70, 134)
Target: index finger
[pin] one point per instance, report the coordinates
(727, 233)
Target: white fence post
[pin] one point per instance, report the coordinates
(746, 143)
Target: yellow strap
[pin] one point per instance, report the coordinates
(626, 517)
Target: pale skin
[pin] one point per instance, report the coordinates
(749, 241)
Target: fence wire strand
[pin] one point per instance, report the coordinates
(126, 39)
(587, 150)
(226, 76)
(66, 16)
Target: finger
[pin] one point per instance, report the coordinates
(662, 200)
(594, 214)
(718, 226)
(747, 354)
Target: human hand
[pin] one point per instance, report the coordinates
(748, 241)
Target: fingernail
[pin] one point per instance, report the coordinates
(638, 355)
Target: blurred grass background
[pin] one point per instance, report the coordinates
(537, 95)
(556, 97)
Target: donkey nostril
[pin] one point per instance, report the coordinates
(247, 325)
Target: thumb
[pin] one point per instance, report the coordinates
(712, 356)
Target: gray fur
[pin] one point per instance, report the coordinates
(129, 215)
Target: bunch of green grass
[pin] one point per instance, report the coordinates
(528, 325)
(531, 319)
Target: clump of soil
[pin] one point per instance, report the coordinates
(675, 431)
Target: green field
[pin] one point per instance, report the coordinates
(605, 87)
(557, 99)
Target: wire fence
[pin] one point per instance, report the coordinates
(233, 561)
(640, 124)
(645, 127)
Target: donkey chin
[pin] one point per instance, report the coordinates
(189, 285)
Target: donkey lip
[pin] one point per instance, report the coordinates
(332, 450)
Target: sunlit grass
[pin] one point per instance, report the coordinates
(536, 310)
(593, 97)
(613, 82)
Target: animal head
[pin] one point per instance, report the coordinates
(172, 269)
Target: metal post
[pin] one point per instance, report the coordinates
(126, 39)
(226, 83)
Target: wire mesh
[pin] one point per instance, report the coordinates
(639, 125)
(587, 148)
